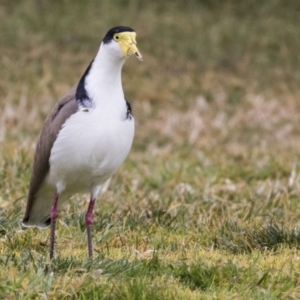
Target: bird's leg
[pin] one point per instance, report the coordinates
(53, 215)
(88, 223)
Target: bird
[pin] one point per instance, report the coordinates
(85, 138)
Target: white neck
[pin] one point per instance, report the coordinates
(103, 83)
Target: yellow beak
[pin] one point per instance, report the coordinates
(127, 44)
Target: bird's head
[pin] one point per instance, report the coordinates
(122, 39)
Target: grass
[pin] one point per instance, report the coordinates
(207, 204)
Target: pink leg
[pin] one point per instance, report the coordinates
(88, 223)
(53, 215)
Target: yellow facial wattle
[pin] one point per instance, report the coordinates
(127, 44)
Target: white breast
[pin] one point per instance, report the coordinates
(89, 149)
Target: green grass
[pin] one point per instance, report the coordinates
(207, 204)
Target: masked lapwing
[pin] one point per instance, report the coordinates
(85, 138)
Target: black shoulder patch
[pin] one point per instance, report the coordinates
(82, 96)
(129, 114)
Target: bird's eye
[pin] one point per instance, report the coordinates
(116, 37)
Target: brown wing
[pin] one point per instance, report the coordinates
(57, 117)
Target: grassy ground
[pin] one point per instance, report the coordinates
(207, 204)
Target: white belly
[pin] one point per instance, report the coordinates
(89, 149)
